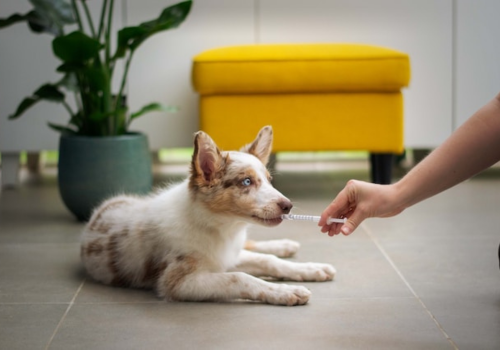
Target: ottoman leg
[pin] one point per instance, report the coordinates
(381, 167)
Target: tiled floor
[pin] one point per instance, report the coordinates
(426, 279)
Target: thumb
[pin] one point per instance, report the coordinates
(352, 223)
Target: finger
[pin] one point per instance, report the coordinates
(330, 209)
(334, 229)
(342, 204)
(353, 221)
(339, 206)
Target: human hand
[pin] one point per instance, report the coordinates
(356, 202)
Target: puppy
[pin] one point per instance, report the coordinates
(188, 241)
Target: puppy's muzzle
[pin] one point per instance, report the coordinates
(285, 206)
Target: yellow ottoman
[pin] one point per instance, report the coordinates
(317, 97)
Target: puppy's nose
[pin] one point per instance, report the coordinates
(285, 205)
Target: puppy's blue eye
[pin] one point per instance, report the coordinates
(246, 182)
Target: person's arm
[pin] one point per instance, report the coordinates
(470, 149)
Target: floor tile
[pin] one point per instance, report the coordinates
(472, 321)
(435, 267)
(334, 324)
(93, 292)
(28, 326)
(39, 273)
(437, 260)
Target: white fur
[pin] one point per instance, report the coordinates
(189, 245)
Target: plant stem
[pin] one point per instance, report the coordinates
(124, 81)
(101, 21)
(108, 32)
(107, 40)
(107, 96)
(68, 108)
(85, 105)
(78, 102)
(89, 18)
(77, 15)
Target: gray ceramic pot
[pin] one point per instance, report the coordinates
(91, 169)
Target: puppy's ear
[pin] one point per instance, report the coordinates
(262, 146)
(207, 159)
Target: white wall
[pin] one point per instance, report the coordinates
(477, 55)
(421, 28)
(448, 81)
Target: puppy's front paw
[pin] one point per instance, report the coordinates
(284, 294)
(326, 272)
(313, 272)
(282, 248)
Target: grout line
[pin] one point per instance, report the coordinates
(159, 302)
(81, 303)
(65, 314)
(33, 303)
(400, 274)
(454, 68)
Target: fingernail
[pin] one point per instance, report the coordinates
(346, 230)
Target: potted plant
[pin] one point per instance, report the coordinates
(98, 155)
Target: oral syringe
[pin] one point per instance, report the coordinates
(311, 218)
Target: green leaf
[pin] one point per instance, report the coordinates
(126, 36)
(70, 67)
(75, 47)
(62, 129)
(5, 22)
(152, 107)
(49, 92)
(40, 24)
(36, 21)
(130, 38)
(69, 82)
(25, 104)
(50, 16)
(59, 11)
(77, 120)
(170, 17)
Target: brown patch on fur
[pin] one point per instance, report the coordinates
(230, 182)
(233, 279)
(198, 181)
(268, 176)
(208, 166)
(95, 247)
(99, 225)
(183, 266)
(142, 230)
(230, 196)
(119, 278)
(153, 270)
(245, 295)
(236, 180)
(249, 245)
